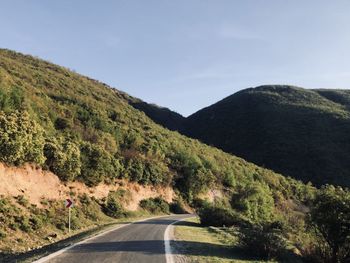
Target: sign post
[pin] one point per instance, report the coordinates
(69, 204)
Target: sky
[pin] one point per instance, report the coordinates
(186, 54)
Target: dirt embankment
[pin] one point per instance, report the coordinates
(36, 185)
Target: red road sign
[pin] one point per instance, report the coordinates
(69, 203)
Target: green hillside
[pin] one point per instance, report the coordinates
(161, 115)
(297, 132)
(82, 129)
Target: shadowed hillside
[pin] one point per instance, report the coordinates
(301, 133)
(161, 115)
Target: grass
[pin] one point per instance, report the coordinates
(203, 244)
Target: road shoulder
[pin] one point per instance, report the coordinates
(193, 243)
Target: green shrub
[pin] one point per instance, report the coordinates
(155, 205)
(61, 124)
(263, 240)
(36, 222)
(61, 225)
(22, 200)
(193, 177)
(121, 195)
(12, 100)
(229, 179)
(112, 207)
(63, 158)
(216, 215)
(178, 206)
(23, 223)
(155, 173)
(330, 219)
(2, 234)
(76, 220)
(254, 201)
(96, 164)
(146, 171)
(198, 203)
(85, 199)
(21, 139)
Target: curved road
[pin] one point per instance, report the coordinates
(138, 242)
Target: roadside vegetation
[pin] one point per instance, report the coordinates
(194, 243)
(82, 130)
(317, 233)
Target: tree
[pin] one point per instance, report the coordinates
(330, 218)
(21, 139)
(97, 164)
(192, 177)
(63, 158)
(255, 201)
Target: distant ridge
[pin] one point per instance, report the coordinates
(299, 132)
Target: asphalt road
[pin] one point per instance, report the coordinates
(140, 242)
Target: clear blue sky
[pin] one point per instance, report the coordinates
(187, 54)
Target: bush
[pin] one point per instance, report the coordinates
(2, 234)
(198, 203)
(330, 219)
(76, 220)
(229, 179)
(21, 139)
(254, 201)
(155, 205)
(263, 240)
(23, 223)
(96, 164)
(216, 215)
(36, 222)
(22, 200)
(178, 207)
(193, 177)
(61, 123)
(113, 208)
(12, 100)
(63, 158)
(148, 172)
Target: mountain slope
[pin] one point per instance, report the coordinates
(161, 115)
(301, 133)
(86, 132)
(83, 130)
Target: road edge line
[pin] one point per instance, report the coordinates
(59, 252)
(168, 253)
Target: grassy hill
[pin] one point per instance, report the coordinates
(297, 132)
(83, 130)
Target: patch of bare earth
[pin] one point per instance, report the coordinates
(36, 184)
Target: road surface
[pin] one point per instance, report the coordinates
(139, 242)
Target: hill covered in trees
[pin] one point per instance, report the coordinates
(297, 132)
(294, 131)
(161, 115)
(83, 130)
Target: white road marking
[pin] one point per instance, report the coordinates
(59, 252)
(167, 238)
